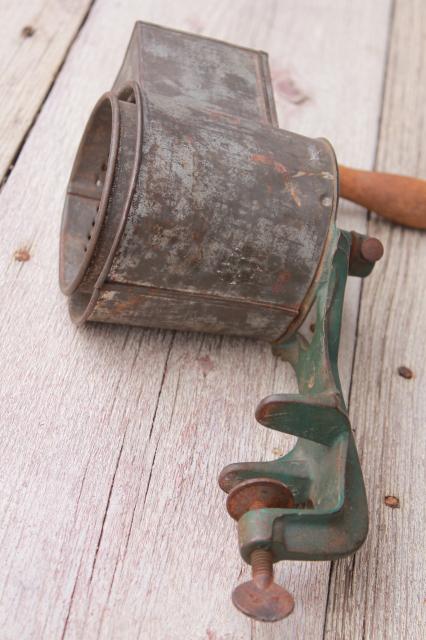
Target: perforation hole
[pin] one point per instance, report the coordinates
(128, 95)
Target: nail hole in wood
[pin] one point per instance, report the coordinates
(28, 31)
(392, 502)
(22, 255)
(405, 372)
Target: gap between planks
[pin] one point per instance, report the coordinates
(34, 44)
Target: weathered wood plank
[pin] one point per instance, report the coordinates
(380, 593)
(34, 38)
(112, 522)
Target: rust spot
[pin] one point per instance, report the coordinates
(269, 161)
(279, 284)
(198, 236)
(371, 249)
(22, 255)
(294, 194)
(206, 364)
(405, 372)
(258, 493)
(277, 451)
(120, 306)
(308, 504)
(392, 502)
(312, 327)
(28, 31)
(285, 85)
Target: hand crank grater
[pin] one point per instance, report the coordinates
(188, 208)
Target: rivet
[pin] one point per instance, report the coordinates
(371, 249)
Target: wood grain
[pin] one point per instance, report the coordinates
(112, 522)
(34, 38)
(380, 594)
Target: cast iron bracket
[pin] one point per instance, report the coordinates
(330, 518)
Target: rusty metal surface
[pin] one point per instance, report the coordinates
(261, 598)
(365, 252)
(258, 493)
(224, 224)
(169, 309)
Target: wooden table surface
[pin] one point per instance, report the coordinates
(112, 522)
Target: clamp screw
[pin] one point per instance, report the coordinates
(261, 598)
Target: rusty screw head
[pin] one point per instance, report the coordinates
(258, 493)
(365, 252)
(261, 598)
(371, 249)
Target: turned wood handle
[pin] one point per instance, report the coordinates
(398, 198)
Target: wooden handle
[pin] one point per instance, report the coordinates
(398, 198)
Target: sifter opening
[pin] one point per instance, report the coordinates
(88, 192)
(99, 196)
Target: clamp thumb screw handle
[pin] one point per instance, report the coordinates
(261, 598)
(400, 199)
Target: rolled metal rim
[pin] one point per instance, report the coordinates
(100, 137)
(78, 245)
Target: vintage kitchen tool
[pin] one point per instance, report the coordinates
(188, 208)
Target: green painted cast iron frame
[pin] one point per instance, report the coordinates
(322, 470)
